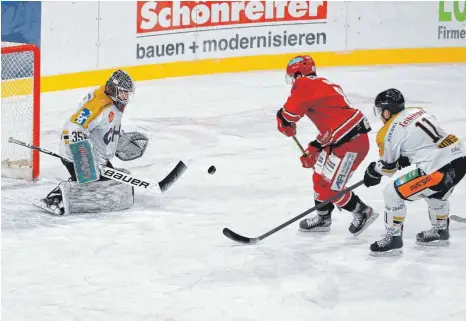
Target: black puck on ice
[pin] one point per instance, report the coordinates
(211, 170)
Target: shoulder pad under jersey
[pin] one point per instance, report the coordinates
(92, 108)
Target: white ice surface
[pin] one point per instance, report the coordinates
(166, 258)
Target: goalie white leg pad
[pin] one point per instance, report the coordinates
(95, 197)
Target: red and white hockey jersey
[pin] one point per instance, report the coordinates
(327, 107)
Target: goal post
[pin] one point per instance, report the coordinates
(20, 106)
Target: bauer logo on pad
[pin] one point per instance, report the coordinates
(83, 162)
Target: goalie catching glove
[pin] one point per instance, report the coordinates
(131, 145)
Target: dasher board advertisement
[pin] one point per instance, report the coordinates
(189, 30)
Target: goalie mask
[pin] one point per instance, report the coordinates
(120, 88)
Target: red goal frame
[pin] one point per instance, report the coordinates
(36, 100)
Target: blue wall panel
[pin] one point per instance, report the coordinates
(21, 21)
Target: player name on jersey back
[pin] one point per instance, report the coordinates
(416, 134)
(408, 119)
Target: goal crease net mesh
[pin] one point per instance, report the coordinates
(18, 108)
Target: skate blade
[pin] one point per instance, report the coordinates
(434, 243)
(316, 230)
(44, 207)
(394, 252)
(371, 220)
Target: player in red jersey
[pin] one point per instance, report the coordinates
(340, 147)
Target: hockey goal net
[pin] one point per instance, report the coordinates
(20, 109)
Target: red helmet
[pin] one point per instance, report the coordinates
(300, 65)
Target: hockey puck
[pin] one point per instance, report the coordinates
(211, 170)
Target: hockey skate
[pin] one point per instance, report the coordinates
(53, 203)
(390, 245)
(436, 236)
(363, 216)
(319, 223)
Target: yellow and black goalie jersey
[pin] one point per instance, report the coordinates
(98, 120)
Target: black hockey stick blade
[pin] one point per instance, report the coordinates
(247, 240)
(173, 176)
(239, 238)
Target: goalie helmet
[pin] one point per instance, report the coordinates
(299, 66)
(391, 99)
(120, 88)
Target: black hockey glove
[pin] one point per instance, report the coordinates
(403, 162)
(371, 176)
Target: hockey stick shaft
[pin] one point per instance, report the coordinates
(242, 239)
(42, 150)
(119, 176)
(299, 145)
(105, 172)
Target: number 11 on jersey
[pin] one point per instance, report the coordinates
(423, 125)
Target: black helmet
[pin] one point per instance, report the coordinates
(391, 99)
(120, 88)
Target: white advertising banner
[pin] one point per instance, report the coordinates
(83, 36)
(401, 24)
(171, 31)
(69, 37)
(451, 24)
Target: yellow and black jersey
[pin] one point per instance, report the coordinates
(98, 120)
(416, 134)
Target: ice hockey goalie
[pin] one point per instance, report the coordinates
(96, 125)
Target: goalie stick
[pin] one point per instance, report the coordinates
(457, 218)
(253, 240)
(120, 176)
